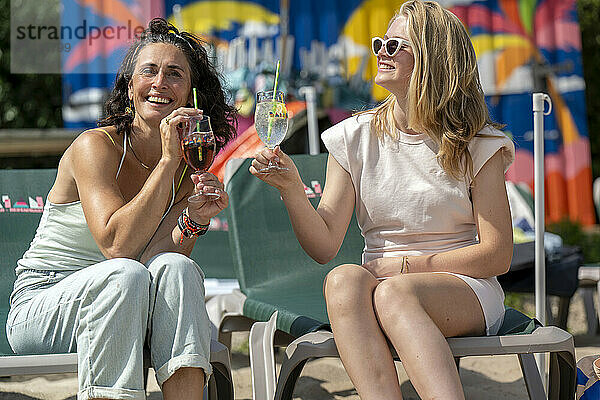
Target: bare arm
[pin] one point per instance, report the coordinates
(492, 255)
(122, 226)
(321, 231)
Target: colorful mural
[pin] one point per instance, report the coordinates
(522, 46)
(525, 46)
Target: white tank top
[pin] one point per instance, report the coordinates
(63, 241)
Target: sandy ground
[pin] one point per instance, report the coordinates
(493, 378)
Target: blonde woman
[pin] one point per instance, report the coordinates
(425, 173)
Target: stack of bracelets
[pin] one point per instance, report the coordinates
(190, 228)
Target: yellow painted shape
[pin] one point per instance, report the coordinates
(566, 123)
(485, 43)
(208, 16)
(508, 60)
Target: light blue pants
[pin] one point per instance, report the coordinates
(108, 313)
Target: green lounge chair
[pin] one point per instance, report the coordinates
(211, 252)
(281, 287)
(22, 194)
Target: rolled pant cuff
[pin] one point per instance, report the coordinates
(184, 361)
(100, 392)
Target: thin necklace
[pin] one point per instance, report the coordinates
(135, 155)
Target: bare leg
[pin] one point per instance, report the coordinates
(184, 384)
(361, 343)
(417, 312)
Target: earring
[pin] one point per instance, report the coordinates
(129, 110)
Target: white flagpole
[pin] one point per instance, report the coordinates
(539, 100)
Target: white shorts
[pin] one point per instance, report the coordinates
(491, 297)
(488, 292)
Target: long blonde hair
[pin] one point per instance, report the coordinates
(445, 98)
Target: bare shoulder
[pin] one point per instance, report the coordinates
(91, 153)
(93, 150)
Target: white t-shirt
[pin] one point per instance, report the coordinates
(406, 204)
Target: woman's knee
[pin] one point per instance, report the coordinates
(347, 283)
(126, 277)
(175, 264)
(396, 296)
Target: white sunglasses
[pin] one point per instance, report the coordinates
(392, 45)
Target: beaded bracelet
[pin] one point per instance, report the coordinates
(190, 228)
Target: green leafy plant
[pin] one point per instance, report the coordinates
(26, 100)
(573, 234)
(588, 11)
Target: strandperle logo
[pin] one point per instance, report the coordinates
(59, 37)
(83, 31)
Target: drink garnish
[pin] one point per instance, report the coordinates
(197, 122)
(274, 104)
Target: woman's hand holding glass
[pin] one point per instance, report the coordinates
(171, 131)
(285, 179)
(202, 210)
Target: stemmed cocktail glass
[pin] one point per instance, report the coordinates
(271, 122)
(198, 145)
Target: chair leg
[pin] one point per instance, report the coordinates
(562, 376)
(262, 359)
(210, 391)
(597, 308)
(289, 379)
(220, 385)
(531, 375)
(310, 346)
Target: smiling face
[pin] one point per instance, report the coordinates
(393, 73)
(161, 82)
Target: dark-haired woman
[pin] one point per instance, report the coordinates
(108, 271)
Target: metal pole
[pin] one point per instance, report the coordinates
(310, 94)
(284, 27)
(540, 256)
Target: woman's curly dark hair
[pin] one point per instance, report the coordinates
(204, 77)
